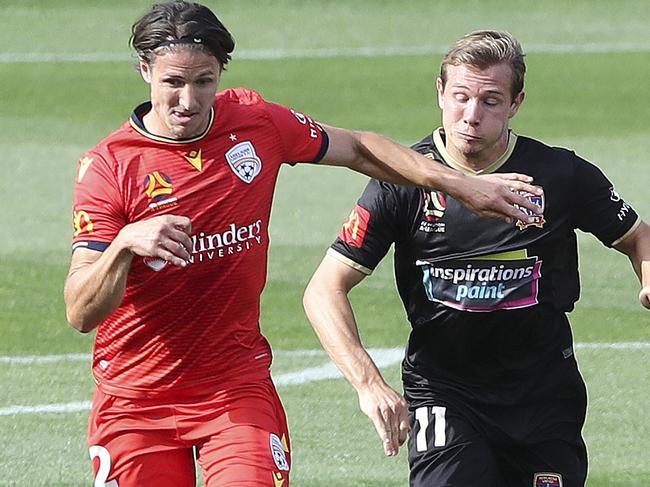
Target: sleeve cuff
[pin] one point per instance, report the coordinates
(325, 144)
(628, 233)
(349, 262)
(98, 246)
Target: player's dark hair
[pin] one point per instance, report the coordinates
(178, 23)
(485, 48)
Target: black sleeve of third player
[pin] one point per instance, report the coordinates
(371, 228)
(598, 208)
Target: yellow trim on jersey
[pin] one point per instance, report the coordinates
(628, 233)
(349, 262)
(160, 138)
(512, 255)
(440, 145)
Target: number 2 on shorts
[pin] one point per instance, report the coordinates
(439, 426)
(104, 466)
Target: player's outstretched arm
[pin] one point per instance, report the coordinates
(328, 308)
(96, 281)
(644, 294)
(372, 154)
(637, 247)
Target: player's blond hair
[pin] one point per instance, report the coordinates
(485, 48)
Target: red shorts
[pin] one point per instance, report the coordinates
(239, 437)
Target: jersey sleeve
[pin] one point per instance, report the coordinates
(98, 209)
(370, 230)
(599, 209)
(303, 139)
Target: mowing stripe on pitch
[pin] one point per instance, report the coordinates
(352, 52)
(85, 357)
(383, 357)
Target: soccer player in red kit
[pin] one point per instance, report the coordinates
(171, 215)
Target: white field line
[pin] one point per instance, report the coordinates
(85, 357)
(383, 357)
(45, 359)
(353, 52)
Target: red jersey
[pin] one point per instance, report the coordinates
(190, 330)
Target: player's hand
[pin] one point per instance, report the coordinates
(165, 237)
(644, 297)
(389, 413)
(495, 196)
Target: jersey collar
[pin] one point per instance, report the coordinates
(136, 121)
(439, 142)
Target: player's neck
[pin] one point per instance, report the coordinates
(477, 161)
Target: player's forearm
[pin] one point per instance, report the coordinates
(644, 294)
(645, 273)
(643, 255)
(94, 291)
(386, 160)
(637, 247)
(332, 318)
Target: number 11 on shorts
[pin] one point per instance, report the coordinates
(439, 426)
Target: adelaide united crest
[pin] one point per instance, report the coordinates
(244, 161)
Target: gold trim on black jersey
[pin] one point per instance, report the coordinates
(451, 162)
(349, 262)
(136, 121)
(628, 233)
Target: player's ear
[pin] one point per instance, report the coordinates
(516, 103)
(440, 87)
(145, 70)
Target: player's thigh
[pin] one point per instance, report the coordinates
(554, 463)
(168, 468)
(252, 449)
(446, 449)
(133, 447)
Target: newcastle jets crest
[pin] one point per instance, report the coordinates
(538, 220)
(244, 162)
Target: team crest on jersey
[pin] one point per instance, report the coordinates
(434, 205)
(545, 479)
(154, 263)
(538, 220)
(159, 188)
(244, 162)
(278, 452)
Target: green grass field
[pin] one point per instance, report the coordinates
(587, 88)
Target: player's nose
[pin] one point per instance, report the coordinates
(472, 112)
(187, 97)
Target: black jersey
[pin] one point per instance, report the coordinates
(487, 299)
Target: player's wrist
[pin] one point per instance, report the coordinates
(122, 246)
(450, 182)
(370, 384)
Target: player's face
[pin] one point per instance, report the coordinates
(477, 106)
(183, 84)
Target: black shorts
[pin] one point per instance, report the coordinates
(539, 445)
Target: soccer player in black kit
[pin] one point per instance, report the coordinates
(492, 393)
